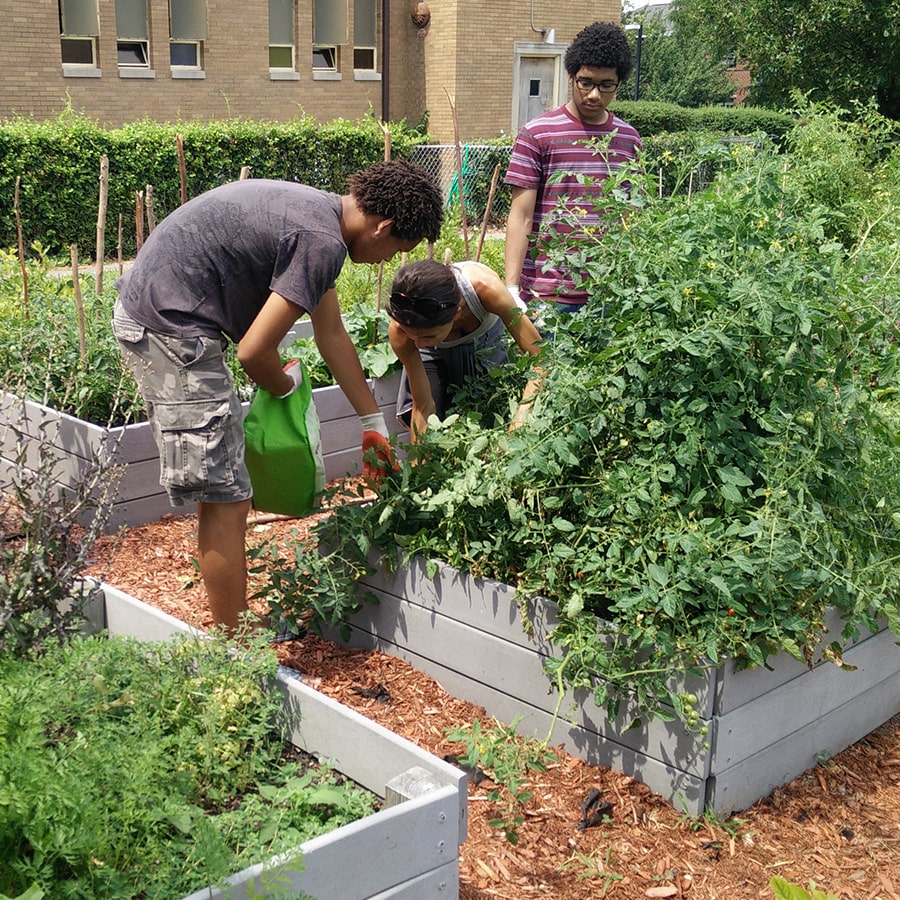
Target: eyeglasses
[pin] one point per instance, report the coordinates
(420, 312)
(605, 87)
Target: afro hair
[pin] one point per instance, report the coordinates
(602, 45)
(404, 192)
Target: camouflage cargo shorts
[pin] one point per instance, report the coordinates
(195, 414)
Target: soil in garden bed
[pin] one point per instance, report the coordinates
(838, 824)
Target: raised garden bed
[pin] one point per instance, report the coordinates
(25, 426)
(407, 851)
(764, 726)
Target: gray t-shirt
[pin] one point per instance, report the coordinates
(209, 266)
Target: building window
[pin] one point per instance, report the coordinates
(281, 34)
(132, 33)
(330, 31)
(364, 31)
(325, 58)
(187, 32)
(79, 28)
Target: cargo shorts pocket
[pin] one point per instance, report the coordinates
(197, 449)
(124, 327)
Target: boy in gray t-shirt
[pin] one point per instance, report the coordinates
(243, 262)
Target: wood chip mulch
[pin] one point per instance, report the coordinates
(837, 824)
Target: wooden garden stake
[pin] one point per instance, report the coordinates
(387, 156)
(21, 247)
(79, 303)
(387, 141)
(101, 224)
(245, 173)
(148, 203)
(660, 182)
(119, 247)
(459, 172)
(139, 219)
(487, 211)
(182, 169)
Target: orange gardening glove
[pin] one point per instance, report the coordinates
(375, 437)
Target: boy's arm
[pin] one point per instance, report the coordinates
(496, 298)
(519, 224)
(258, 349)
(340, 354)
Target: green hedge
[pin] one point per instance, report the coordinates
(58, 164)
(652, 118)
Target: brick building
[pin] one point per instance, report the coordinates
(120, 61)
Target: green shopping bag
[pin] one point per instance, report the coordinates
(284, 451)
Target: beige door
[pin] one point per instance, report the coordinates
(537, 83)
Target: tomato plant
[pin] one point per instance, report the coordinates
(712, 461)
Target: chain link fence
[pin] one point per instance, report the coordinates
(479, 163)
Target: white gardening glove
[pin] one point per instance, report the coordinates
(292, 367)
(514, 292)
(377, 438)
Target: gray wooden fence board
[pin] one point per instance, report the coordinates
(784, 698)
(756, 776)
(141, 510)
(739, 686)
(363, 750)
(389, 849)
(803, 700)
(439, 884)
(509, 668)
(140, 498)
(411, 850)
(492, 607)
(672, 782)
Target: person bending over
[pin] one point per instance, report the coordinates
(447, 325)
(242, 262)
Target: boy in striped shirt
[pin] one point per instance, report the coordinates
(566, 140)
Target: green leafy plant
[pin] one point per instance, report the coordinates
(712, 461)
(594, 867)
(507, 757)
(152, 770)
(303, 584)
(785, 890)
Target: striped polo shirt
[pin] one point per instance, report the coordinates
(559, 142)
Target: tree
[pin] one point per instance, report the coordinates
(839, 51)
(676, 66)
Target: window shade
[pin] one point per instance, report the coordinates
(80, 17)
(364, 23)
(330, 22)
(281, 22)
(187, 19)
(131, 19)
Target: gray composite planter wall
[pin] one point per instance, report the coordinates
(406, 851)
(140, 498)
(764, 726)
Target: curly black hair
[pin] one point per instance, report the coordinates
(602, 45)
(404, 192)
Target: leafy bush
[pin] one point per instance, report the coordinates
(713, 459)
(58, 163)
(151, 771)
(653, 118)
(41, 353)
